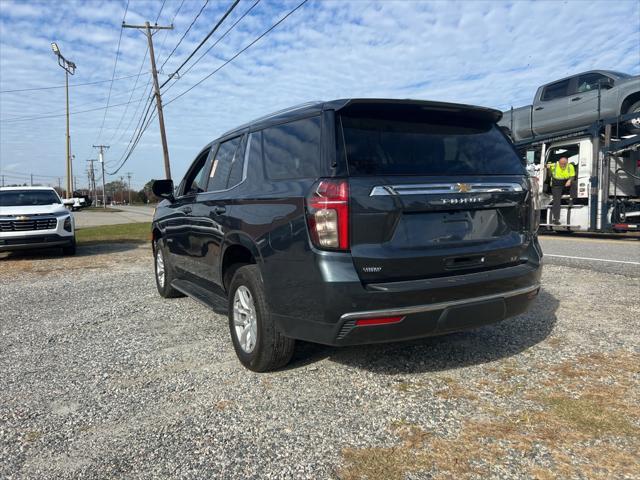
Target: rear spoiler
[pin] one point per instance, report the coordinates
(365, 105)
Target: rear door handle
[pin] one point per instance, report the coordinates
(575, 99)
(186, 209)
(218, 210)
(538, 108)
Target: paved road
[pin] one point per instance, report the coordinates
(608, 255)
(127, 214)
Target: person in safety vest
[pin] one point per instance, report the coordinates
(561, 174)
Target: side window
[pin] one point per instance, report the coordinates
(237, 165)
(556, 90)
(292, 150)
(589, 82)
(222, 164)
(195, 180)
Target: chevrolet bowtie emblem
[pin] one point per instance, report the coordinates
(22, 217)
(463, 187)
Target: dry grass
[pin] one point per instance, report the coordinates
(586, 415)
(52, 262)
(223, 404)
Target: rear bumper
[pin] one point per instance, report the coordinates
(426, 307)
(434, 319)
(28, 242)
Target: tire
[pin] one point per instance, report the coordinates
(164, 272)
(633, 125)
(258, 343)
(71, 249)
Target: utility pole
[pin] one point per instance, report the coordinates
(165, 149)
(3, 180)
(31, 183)
(129, 185)
(92, 181)
(101, 160)
(69, 68)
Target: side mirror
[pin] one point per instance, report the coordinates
(163, 189)
(606, 83)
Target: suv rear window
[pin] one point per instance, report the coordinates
(433, 145)
(17, 198)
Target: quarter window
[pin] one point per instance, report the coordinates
(556, 90)
(292, 150)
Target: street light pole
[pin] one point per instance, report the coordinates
(70, 69)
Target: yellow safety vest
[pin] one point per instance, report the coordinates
(560, 173)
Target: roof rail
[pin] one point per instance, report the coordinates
(271, 115)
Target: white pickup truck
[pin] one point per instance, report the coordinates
(34, 218)
(572, 103)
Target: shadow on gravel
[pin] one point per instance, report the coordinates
(447, 352)
(85, 250)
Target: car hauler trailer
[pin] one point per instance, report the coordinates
(605, 195)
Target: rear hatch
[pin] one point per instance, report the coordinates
(435, 190)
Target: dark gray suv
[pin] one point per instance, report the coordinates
(349, 222)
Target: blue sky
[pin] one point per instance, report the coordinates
(489, 53)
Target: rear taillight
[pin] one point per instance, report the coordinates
(328, 214)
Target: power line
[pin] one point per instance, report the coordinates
(113, 75)
(141, 127)
(20, 117)
(138, 128)
(206, 2)
(215, 27)
(159, 13)
(115, 133)
(214, 44)
(148, 81)
(266, 32)
(134, 145)
(63, 114)
(166, 34)
(70, 85)
(9, 173)
(146, 93)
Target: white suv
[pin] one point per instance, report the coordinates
(35, 217)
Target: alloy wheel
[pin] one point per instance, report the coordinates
(160, 271)
(245, 320)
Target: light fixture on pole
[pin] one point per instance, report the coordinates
(69, 68)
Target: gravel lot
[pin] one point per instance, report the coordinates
(101, 378)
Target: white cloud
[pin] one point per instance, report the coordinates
(489, 53)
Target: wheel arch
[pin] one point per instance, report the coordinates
(238, 250)
(156, 234)
(628, 101)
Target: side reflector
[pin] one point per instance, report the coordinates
(378, 321)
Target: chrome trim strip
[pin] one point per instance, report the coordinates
(444, 188)
(436, 306)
